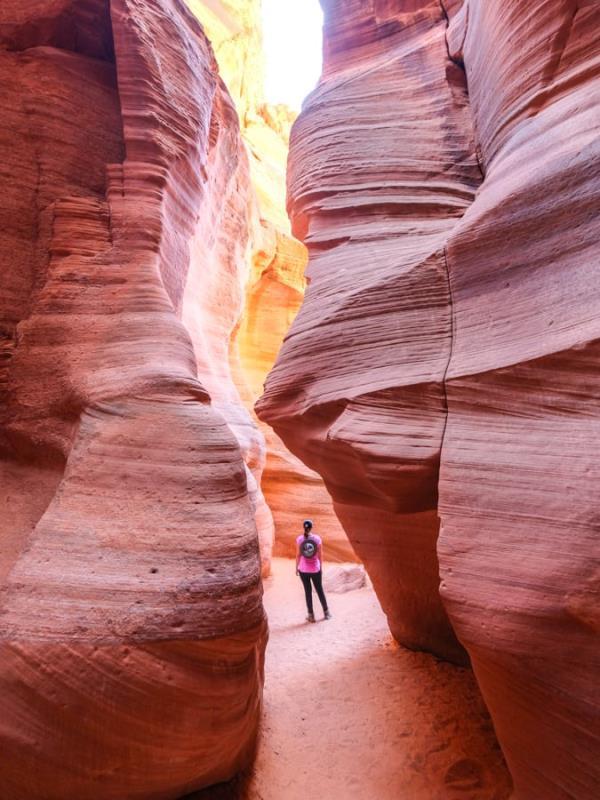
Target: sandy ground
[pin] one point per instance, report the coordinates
(350, 715)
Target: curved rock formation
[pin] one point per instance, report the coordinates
(132, 628)
(222, 261)
(358, 388)
(448, 344)
(275, 281)
(519, 554)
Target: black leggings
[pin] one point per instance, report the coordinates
(317, 579)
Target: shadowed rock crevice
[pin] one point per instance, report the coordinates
(78, 26)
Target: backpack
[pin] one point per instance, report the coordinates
(309, 547)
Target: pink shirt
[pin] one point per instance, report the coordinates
(309, 564)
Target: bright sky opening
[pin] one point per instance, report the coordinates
(293, 40)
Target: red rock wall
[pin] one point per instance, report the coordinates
(519, 543)
(131, 615)
(214, 298)
(358, 387)
(447, 344)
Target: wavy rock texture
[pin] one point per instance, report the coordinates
(382, 167)
(451, 320)
(131, 616)
(275, 284)
(519, 546)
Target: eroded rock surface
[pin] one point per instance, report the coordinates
(445, 359)
(132, 627)
(382, 167)
(275, 281)
(519, 552)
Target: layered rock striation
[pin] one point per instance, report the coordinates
(275, 280)
(131, 621)
(382, 167)
(518, 548)
(445, 359)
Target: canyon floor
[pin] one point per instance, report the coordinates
(349, 714)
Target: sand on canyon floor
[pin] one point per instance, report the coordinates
(350, 715)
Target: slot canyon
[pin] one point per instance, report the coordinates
(218, 318)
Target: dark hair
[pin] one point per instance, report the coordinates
(307, 526)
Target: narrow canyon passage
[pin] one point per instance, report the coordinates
(222, 314)
(350, 714)
(346, 709)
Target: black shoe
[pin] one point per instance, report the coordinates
(327, 614)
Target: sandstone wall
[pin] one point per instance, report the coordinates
(130, 608)
(382, 167)
(519, 552)
(277, 260)
(445, 177)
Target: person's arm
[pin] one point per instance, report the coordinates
(320, 553)
(298, 554)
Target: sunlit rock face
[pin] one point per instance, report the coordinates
(213, 317)
(275, 282)
(130, 613)
(445, 359)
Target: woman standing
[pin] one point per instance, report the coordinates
(309, 554)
